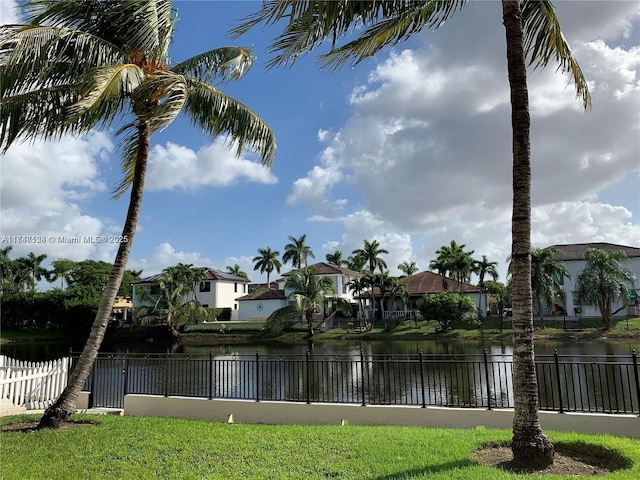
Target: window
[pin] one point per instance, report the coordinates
(205, 287)
(235, 287)
(205, 305)
(235, 306)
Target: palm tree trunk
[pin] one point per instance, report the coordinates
(65, 405)
(529, 445)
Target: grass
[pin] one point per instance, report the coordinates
(150, 448)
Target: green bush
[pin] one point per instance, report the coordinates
(447, 308)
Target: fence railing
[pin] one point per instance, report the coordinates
(566, 383)
(34, 385)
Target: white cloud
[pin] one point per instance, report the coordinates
(177, 167)
(43, 186)
(8, 12)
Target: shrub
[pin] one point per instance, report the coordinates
(448, 307)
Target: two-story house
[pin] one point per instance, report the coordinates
(218, 290)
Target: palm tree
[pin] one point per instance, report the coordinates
(172, 306)
(408, 268)
(32, 270)
(61, 270)
(370, 253)
(335, 258)
(483, 268)
(442, 267)
(532, 30)
(547, 277)
(7, 272)
(603, 280)
(237, 271)
(453, 259)
(74, 66)
(309, 293)
(356, 263)
(357, 286)
(297, 251)
(267, 261)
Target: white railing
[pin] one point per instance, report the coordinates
(34, 385)
(402, 314)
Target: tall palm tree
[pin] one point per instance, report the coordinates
(442, 267)
(61, 270)
(356, 263)
(237, 271)
(547, 277)
(455, 260)
(297, 252)
(482, 268)
(267, 261)
(74, 66)
(370, 253)
(357, 286)
(532, 30)
(603, 280)
(335, 258)
(408, 268)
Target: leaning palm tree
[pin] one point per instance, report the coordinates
(267, 261)
(532, 30)
(603, 280)
(74, 66)
(297, 252)
(371, 252)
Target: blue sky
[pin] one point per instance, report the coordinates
(411, 148)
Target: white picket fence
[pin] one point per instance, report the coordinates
(34, 385)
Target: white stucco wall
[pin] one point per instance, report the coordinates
(249, 309)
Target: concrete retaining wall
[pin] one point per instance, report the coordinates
(243, 411)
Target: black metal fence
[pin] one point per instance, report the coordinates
(566, 383)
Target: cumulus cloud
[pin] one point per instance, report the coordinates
(427, 146)
(43, 187)
(175, 166)
(165, 255)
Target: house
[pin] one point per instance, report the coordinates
(429, 283)
(260, 304)
(573, 257)
(219, 290)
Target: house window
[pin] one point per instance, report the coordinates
(235, 306)
(244, 288)
(205, 287)
(205, 305)
(235, 287)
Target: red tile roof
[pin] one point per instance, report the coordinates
(576, 251)
(429, 282)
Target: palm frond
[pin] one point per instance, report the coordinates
(160, 98)
(544, 41)
(143, 26)
(129, 148)
(216, 113)
(104, 91)
(225, 63)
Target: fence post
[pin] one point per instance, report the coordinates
(210, 374)
(362, 371)
(166, 373)
(125, 372)
(424, 400)
(257, 376)
(635, 374)
(555, 356)
(486, 374)
(93, 383)
(308, 379)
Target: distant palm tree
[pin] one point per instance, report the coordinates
(32, 270)
(309, 293)
(61, 270)
(547, 277)
(335, 258)
(408, 268)
(603, 280)
(483, 268)
(237, 271)
(267, 261)
(456, 261)
(74, 66)
(442, 267)
(356, 263)
(370, 253)
(172, 306)
(357, 286)
(297, 252)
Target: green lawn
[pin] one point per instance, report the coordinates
(160, 448)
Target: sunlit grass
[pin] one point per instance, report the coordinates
(150, 448)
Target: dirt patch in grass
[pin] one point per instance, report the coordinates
(570, 459)
(27, 427)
